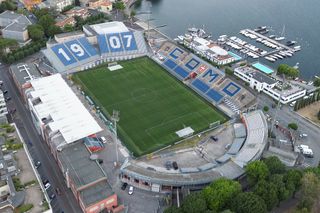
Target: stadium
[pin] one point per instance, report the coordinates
(153, 105)
(165, 95)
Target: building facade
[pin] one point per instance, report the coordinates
(14, 26)
(269, 85)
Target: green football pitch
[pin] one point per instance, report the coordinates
(153, 105)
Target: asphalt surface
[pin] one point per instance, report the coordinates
(285, 116)
(38, 148)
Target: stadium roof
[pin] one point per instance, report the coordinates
(109, 27)
(257, 132)
(69, 116)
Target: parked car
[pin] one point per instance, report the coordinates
(307, 153)
(52, 196)
(124, 186)
(175, 165)
(214, 138)
(168, 165)
(8, 98)
(37, 164)
(130, 192)
(58, 191)
(303, 135)
(103, 139)
(5, 91)
(47, 186)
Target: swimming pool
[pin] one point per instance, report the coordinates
(237, 57)
(262, 68)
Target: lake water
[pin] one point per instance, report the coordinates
(300, 18)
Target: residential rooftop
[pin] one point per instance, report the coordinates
(76, 159)
(24, 72)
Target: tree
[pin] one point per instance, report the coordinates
(194, 203)
(7, 5)
(316, 82)
(40, 12)
(293, 126)
(77, 3)
(282, 191)
(46, 21)
(229, 71)
(68, 28)
(266, 108)
(173, 209)
(52, 30)
(119, 5)
(219, 194)
(310, 190)
(292, 180)
(36, 32)
(7, 44)
(248, 202)
(256, 170)
(287, 71)
(268, 192)
(274, 165)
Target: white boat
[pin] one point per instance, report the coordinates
(279, 38)
(288, 54)
(275, 58)
(297, 48)
(282, 54)
(272, 36)
(278, 56)
(269, 59)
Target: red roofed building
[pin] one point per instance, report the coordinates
(62, 22)
(78, 11)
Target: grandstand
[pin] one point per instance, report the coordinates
(247, 146)
(114, 44)
(208, 81)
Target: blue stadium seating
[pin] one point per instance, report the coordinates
(214, 95)
(232, 92)
(192, 64)
(182, 72)
(128, 41)
(103, 45)
(87, 46)
(114, 41)
(170, 64)
(212, 74)
(200, 85)
(175, 54)
(63, 54)
(77, 50)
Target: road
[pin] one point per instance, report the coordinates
(38, 148)
(285, 116)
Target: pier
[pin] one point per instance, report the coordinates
(271, 40)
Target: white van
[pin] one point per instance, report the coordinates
(303, 147)
(307, 153)
(103, 139)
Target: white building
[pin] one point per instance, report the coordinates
(210, 50)
(57, 113)
(270, 86)
(60, 4)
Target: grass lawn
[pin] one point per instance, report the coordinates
(153, 105)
